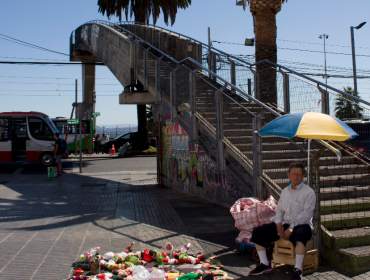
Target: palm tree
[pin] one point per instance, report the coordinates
(345, 107)
(142, 10)
(264, 17)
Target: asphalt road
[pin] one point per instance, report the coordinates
(109, 164)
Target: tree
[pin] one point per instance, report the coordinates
(142, 10)
(264, 16)
(345, 106)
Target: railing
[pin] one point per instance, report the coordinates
(223, 91)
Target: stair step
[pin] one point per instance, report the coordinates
(284, 154)
(345, 205)
(345, 220)
(277, 173)
(346, 238)
(338, 181)
(355, 259)
(237, 132)
(284, 163)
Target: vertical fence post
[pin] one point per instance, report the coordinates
(136, 70)
(257, 158)
(286, 93)
(145, 67)
(232, 73)
(213, 65)
(317, 212)
(157, 82)
(250, 87)
(192, 93)
(220, 130)
(173, 95)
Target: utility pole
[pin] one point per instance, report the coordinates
(354, 65)
(325, 36)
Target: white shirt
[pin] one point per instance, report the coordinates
(295, 207)
(105, 139)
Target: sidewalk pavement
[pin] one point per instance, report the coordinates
(45, 224)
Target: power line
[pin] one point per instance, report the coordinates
(363, 55)
(51, 90)
(49, 95)
(60, 84)
(59, 78)
(319, 44)
(16, 41)
(51, 63)
(27, 58)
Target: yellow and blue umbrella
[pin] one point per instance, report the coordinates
(309, 125)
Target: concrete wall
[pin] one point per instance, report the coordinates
(109, 46)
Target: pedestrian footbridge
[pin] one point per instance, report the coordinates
(208, 106)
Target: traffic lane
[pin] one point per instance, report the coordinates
(112, 164)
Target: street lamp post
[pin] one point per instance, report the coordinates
(354, 65)
(325, 36)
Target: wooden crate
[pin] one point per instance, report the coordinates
(284, 254)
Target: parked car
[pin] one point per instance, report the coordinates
(120, 140)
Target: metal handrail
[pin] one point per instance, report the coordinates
(252, 64)
(337, 152)
(251, 98)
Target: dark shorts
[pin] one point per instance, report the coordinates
(266, 234)
(58, 158)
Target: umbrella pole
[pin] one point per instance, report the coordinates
(308, 163)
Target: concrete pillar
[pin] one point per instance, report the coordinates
(88, 83)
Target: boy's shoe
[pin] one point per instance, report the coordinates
(261, 269)
(297, 274)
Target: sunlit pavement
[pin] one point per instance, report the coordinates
(47, 223)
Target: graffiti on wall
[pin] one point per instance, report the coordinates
(190, 165)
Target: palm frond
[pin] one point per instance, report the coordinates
(149, 8)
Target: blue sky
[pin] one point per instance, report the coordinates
(49, 24)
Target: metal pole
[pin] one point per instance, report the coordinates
(308, 164)
(250, 87)
(80, 147)
(354, 70)
(326, 77)
(75, 126)
(209, 50)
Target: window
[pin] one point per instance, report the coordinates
(4, 129)
(62, 127)
(126, 137)
(39, 129)
(129, 136)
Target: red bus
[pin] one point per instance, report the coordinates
(26, 137)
